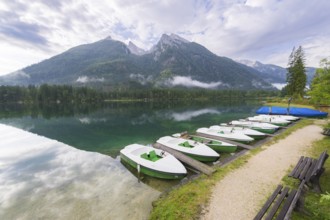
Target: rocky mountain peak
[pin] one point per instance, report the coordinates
(172, 39)
(250, 63)
(167, 41)
(135, 49)
(108, 38)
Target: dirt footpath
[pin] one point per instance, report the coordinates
(241, 193)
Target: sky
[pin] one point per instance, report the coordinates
(263, 30)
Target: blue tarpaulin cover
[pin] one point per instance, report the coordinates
(301, 112)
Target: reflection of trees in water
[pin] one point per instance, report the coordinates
(50, 110)
(47, 111)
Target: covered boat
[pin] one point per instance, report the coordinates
(295, 111)
(153, 162)
(234, 136)
(191, 148)
(218, 146)
(258, 126)
(247, 131)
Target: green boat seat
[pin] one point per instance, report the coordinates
(152, 154)
(185, 144)
(144, 156)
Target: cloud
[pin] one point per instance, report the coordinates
(188, 82)
(23, 31)
(240, 29)
(86, 79)
(279, 85)
(43, 178)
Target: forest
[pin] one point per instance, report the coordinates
(70, 94)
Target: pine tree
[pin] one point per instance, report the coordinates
(296, 75)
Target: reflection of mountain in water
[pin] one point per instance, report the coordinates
(109, 128)
(44, 179)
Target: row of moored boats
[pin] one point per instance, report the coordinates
(205, 146)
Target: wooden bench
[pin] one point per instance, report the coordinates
(281, 203)
(310, 170)
(326, 131)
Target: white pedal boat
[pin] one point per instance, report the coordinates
(153, 162)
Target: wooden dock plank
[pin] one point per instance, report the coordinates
(187, 160)
(225, 140)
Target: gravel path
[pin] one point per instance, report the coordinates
(241, 193)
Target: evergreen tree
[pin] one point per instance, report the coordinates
(320, 89)
(296, 75)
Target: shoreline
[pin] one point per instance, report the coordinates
(190, 200)
(241, 193)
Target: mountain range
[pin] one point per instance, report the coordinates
(172, 62)
(275, 74)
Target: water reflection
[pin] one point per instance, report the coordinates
(112, 126)
(155, 183)
(44, 179)
(188, 115)
(48, 180)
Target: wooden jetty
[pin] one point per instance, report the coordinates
(187, 160)
(270, 135)
(226, 140)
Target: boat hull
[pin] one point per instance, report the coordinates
(202, 158)
(152, 172)
(264, 130)
(279, 124)
(257, 137)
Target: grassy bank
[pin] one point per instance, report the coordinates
(318, 205)
(187, 201)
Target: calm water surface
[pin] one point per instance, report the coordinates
(112, 127)
(106, 130)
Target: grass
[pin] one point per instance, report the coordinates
(187, 201)
(318, 205)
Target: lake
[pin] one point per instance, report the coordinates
(106, 189)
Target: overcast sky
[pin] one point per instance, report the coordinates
(263, 30)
